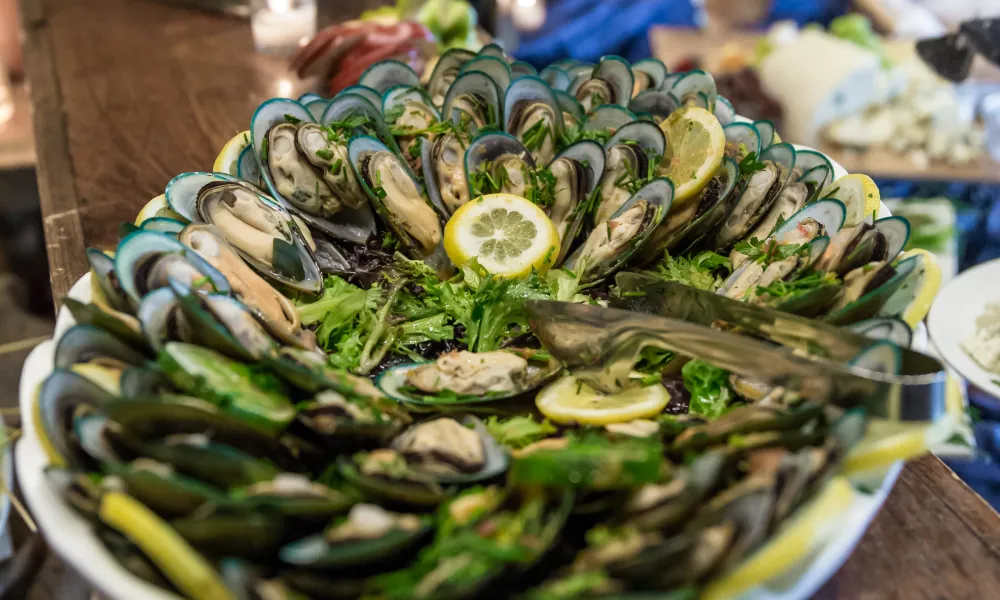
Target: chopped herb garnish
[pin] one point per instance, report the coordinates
(324, 153)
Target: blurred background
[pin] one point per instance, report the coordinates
(891, 88)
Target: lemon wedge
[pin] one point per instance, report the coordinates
(157, 207)
(796, 539)
(695, 148)
(228, 159)
(913, 300)
(569, 400)
(508, 236)
(858, 193)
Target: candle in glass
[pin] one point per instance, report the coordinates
(281, 26)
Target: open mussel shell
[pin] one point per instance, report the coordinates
(648, 73)
(519, 69)
(402, 95)
(597, 259)
(84, 343)
(897, 232)
(578, 170)
(493, 151)
(163, 225)
(473, 100)
(756, 198)
(166, 493)
(225, 324)
(123, 325)
(493, 49)
(572, 112)
(496, 68)
(145, 259)
(811, 160)
(247, 168)
(766, 130)
(828, 213)
(345, 106)
(361, 90)
(528, 102)
(182, 191)
(687, 87)
(815, 179)
(724, 111)
(890, 329)
(160, 319)
(685, 228)
(396, 196)
(741, 139)
(608, 117)
(780, 154)
(610, 82)
(395, 384)
(874, 300)
(647, 136)
(103, 268)
(655, 103)
(556, 77)
(445, 72)
(308, 97)
(746, 276)
(373, 539)
(386, 73)
(63, 397)
(262, 233)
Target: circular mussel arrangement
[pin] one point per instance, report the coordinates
(283, 386)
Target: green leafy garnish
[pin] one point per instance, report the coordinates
(709, 387)
(750, 165)
(520, 431)
(704, 270)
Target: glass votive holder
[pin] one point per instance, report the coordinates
(281, 26)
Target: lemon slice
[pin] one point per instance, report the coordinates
(508, 235)
(228, 159)
(695, 147)
(569, 400)
(922, 286)
(858, 193)
(157, 207)
(795, 540)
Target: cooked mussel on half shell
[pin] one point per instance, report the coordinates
(648, 74)
(823, 218)
(385, 74)
(655, 105)
(854, 247)
(572, 112)
(631, 154)
(610, 82)
(473, 101)
(869, 288)
(296, 176)
(752, 278)
(410, 114)
(612, 243)
(742, 139)
(497, 69)
(394, 192)
(533, 115)
(443, 163)
(577, 170)
(686, 225)
(758, 197)
(464, 377)
(695, 88)
(498, 163)
(421, 465)
(262, 233)
(147, 260)
(445, 72)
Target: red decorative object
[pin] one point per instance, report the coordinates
(342, 52)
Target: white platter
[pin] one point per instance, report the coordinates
(73, 538)
(953, 318)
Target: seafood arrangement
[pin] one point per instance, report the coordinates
(313, 375)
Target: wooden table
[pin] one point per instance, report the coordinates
(162, 88)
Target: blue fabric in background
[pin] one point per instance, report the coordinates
(588, 29)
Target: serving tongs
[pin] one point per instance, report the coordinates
(818, 361)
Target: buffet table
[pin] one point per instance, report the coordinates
(127, 93)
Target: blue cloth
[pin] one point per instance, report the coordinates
(589, 29)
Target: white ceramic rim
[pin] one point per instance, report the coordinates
(73, 538)
(953, 318)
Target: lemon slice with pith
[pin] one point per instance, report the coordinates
(913, 300)
(858, 193)
(506, 234)
(228, 159)
(157, 207)
(695, 148)
(569, 400)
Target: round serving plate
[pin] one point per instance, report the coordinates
(953, 318)
(73, 538)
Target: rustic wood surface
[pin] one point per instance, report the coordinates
(160, 89)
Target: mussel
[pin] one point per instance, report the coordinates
(632, 154)
(532, 115)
